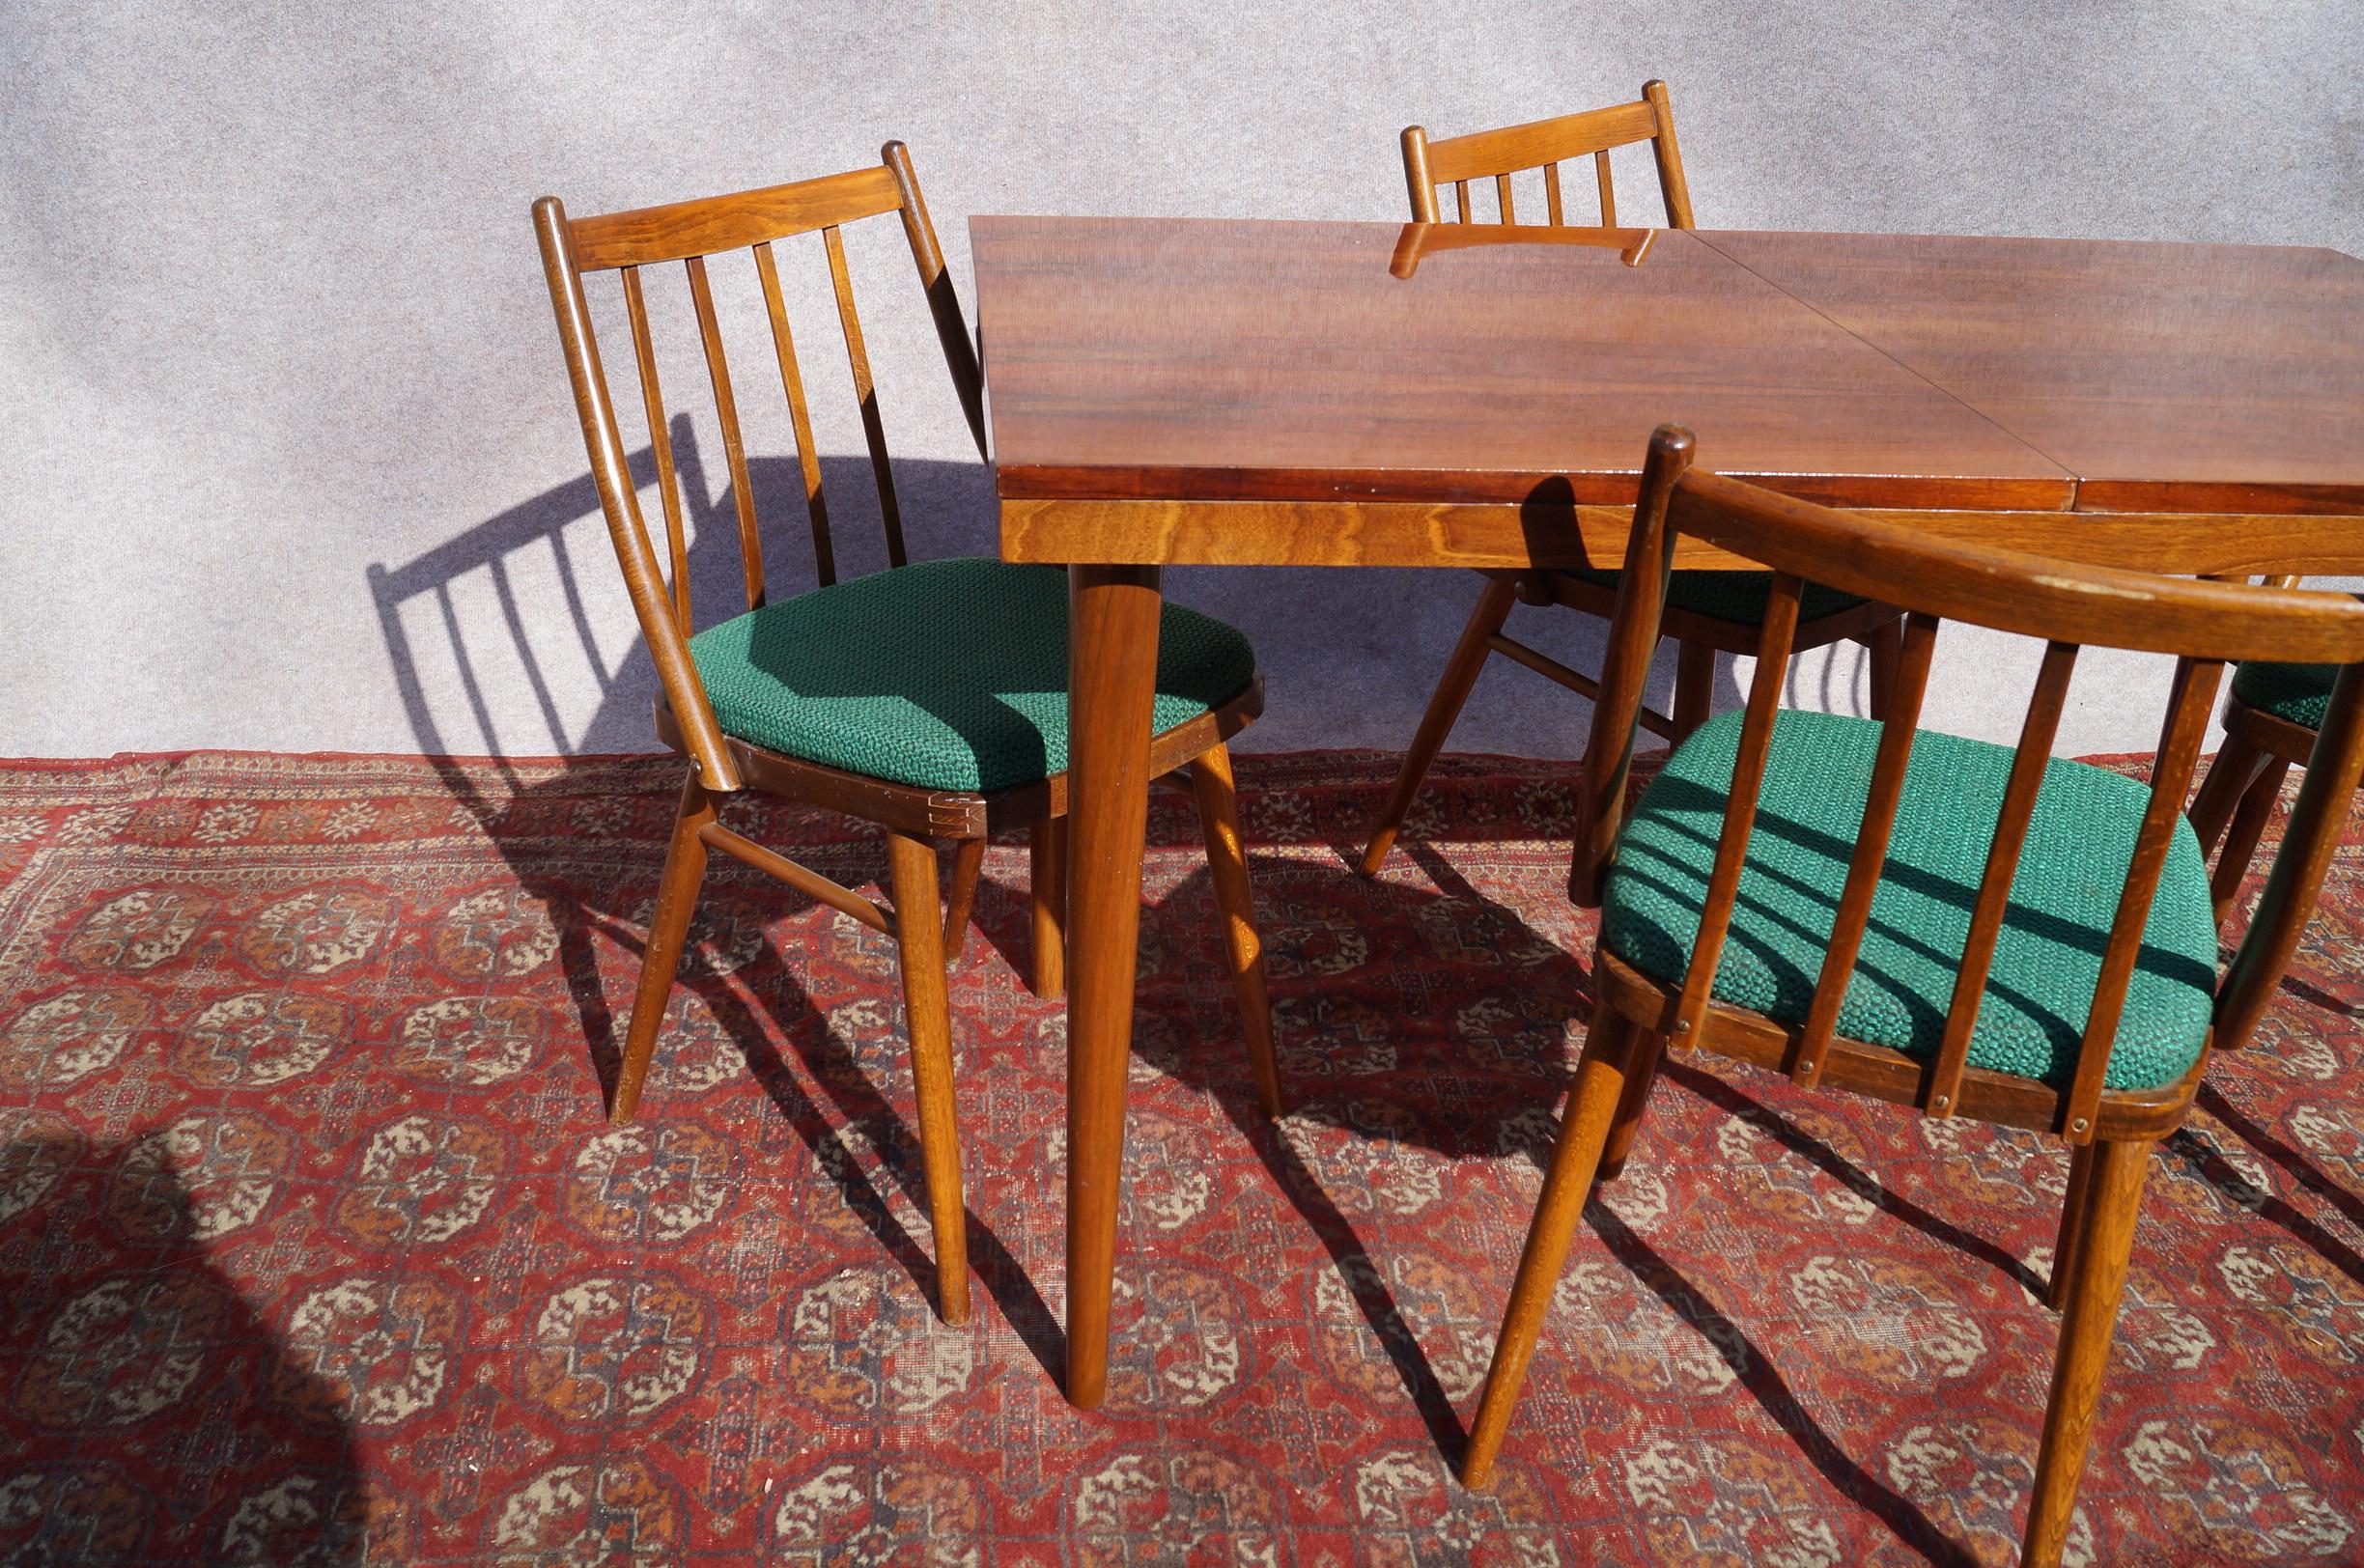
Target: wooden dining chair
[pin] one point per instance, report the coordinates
(1706, 612)
(929, 699)
(1969, 928)
(2272, 717)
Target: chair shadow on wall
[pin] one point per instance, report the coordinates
(948, 509)
(163, 1417)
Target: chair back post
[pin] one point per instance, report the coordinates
(1423, 189)
(1672, 187)
(1633, 639)
(944, 301)
(619, 501)
(2308, 843)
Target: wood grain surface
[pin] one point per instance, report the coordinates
(1193, 360)
(2209, 377)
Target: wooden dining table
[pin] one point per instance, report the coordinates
(1238, 393)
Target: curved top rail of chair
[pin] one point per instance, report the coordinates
(2012, 591)
(680, 229)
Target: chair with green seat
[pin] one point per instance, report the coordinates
(1706, 612)
(1969, 928)
(2270, 721)
(929, 699)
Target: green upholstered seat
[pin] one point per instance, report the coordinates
(2301, 693)
(948, 675)
(2039, 989)
(1738, 597)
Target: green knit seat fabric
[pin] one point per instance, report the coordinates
(948, 675)
(1738, 597)
(2301, 693)
(2039, 989)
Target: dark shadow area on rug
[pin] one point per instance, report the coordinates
(2195, 1150)
(155, 1415)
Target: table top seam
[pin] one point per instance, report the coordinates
(2077, 480)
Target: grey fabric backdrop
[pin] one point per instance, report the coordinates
(288, 461)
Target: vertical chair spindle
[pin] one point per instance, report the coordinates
(800, 417)
(726, 414)
(1740, 803)
(873, 432)
(1941, 1092)
(1871, 854)
(661, 444)
(2193, 699)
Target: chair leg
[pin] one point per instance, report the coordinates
(2236, 764)
(677, 893)
(1047, 892)
(2257, 804)
(912, 865)
(1227, 871)
(1593, 1105)
(1885, 644)
(2113, 1196)
(2071, 1225)
(1647, 1053)
(1694, 686)
(1452, 690)
(968, 859)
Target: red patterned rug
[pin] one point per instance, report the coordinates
(314, 1248)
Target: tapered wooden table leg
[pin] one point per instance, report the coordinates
(1112, 613)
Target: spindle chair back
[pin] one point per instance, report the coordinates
(2204, 623)
(1546, 144)
(690, 233)
(2069, 606)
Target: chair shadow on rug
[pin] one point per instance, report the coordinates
(2210, 1164)
(535, 820)
(1553, 992)
(157, 1416)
